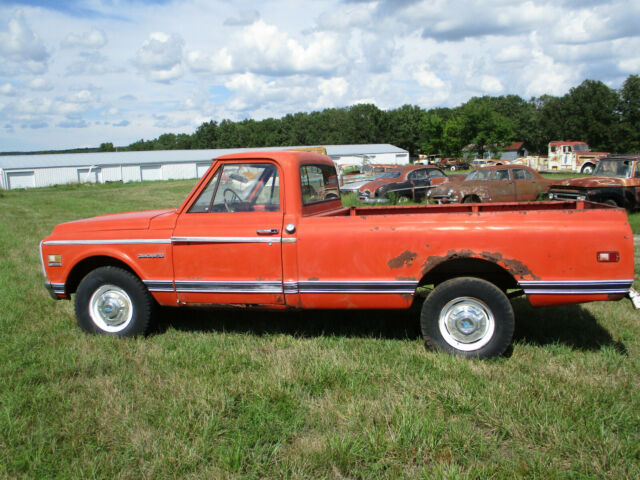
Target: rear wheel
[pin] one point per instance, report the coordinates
(467, 316)
(610, 201)
(113, 301)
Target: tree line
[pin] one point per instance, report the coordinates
(607, 119)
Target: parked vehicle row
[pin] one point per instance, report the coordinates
(615, 181)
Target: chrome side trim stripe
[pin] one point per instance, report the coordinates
(188, 286)
(167, 241)
(228, 287)
(225, 239)
(159, 285)
(128, 241)
(397, 287)
(576, 287)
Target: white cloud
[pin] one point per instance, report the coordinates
(219, 62)
(8, 90)
(95, 38)
(246, 17)
(160, 57)
(513, 53)
(40, 83)
(21, 44)
(332, 92)
(427, 78)
(265, 49)
(490, 84)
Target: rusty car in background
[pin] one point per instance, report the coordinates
(505, 183)
(352, 182)
(615, 181)
(407, 183)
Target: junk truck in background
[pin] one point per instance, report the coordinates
(565, 156)
(267, 230)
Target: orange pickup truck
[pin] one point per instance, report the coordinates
(266, 229)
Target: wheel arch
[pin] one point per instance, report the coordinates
(469, 266)
(473, 197)
(86, 265)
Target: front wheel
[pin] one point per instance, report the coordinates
(467, 316)
(113, 301)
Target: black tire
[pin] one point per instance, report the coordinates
(113, 301)
(485, 321)
(587, 169)
(610, 201)
(403, 199)
(471, 199)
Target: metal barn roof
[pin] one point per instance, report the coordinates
(19, 162)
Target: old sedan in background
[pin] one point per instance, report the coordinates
(505, 183)
(407, 183)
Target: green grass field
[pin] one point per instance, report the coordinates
(225, 394)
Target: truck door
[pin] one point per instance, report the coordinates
(227, 241)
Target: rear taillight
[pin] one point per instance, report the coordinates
(608, 257)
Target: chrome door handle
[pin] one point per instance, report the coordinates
(267, 231)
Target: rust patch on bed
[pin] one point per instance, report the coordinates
(406, 258)
(515, 267)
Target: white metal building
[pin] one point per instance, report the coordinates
(27, 171)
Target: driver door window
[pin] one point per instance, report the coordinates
(241, 188)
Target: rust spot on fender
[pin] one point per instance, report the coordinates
(406, 279)
(313, 279)
(406, 258)
(515, 267)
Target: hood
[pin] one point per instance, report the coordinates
(591, 182)
(118, 221)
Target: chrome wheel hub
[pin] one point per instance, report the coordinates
(466, 323)
(111, 308)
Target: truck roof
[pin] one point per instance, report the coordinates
(287, 158)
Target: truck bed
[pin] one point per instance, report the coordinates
(463, 208)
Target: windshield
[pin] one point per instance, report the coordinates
(480, 174)
(581, 148)
(613, 168)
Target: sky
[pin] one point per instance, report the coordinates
(76, 73)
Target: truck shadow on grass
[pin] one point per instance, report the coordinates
(572, 325)
(569, 325)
